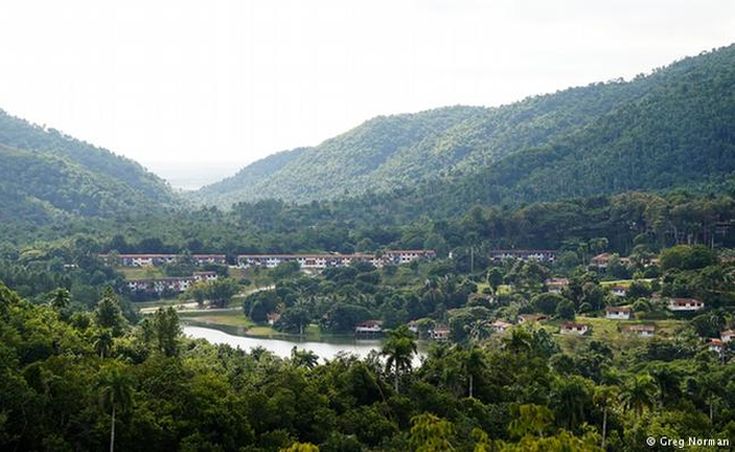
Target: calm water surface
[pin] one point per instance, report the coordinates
(282, 347)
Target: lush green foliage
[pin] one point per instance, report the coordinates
(67, 383)
(669, 129)
(47, 177)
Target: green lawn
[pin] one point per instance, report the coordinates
(623, 282)
(227, 318)
(503, 289)
(141, 272)
(156, 303)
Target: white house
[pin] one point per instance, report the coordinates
(727, 336)
(531, 318)
(618, 312)
(574, 328)
(501, 327)
(440, 333)
(369, 326)
(641, 330)
(715, 345)
(524, 255)
(556, 285)
(685, 304)
(619, 291)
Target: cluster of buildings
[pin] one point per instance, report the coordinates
(322, 261)
(524, 255)
(373, 327)
(718, 345)
(305, 261)
(170, 284)
(155, 260)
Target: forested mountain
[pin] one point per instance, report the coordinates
(45, 174)
(669, 129)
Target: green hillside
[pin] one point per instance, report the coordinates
(45, 175)
(672, 128)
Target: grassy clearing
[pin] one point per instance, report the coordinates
(156, 303)
(623, 282)
(610, 332)
(227, 318)
(141, 272)
(503, 289)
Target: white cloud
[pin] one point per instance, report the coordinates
(185, 81)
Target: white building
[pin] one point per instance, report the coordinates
(322, 261)
(641, 330)
(715, 345)
(572, 328)
(619, 291)
(727, 336)
(618, 312)
(369, 326)
(501, 327)
(685, 304)
(524, 255)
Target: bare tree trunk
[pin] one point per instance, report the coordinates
(112, 431)
(395, 382)
(604, 426)
(471, 392)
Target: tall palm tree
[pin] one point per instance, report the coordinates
(473, 363)
(571, 398)
(605, 397)
(639, 393)
(116, 389)
(399, 349)
(103, 342)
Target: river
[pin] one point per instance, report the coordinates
(282, 347)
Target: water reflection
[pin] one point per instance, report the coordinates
(282, 347)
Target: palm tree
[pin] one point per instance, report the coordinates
(60, 299)
(639, 393)
(605, 396)
(116, 391)
(399, 349)
(473, 363)
(304, 358)
(103, 342)
(571, 397)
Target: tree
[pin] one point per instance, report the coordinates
(639, 393)
(686, 257)
(547, 302)
(221, 291)
(430, 433)
(565, 310)
(60, 299)
(473, 363)
(399, 349)
(304, 358)
(116, 389)
(530, 419)
(103, 342)
(167, 330)
(494, 278)
(108, 313)
(571, 398)
(605, 396)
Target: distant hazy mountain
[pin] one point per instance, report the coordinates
(671, 128)
(45, 174)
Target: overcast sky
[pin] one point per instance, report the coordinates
(214, 83)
